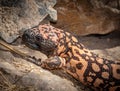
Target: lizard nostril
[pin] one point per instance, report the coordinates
(118, 71)
(25, 37)
(28, 34)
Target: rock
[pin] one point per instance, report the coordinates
(18, 15)
(109, 53)
(38, 79)
(85, 17)
(111, 5)
(26, 74)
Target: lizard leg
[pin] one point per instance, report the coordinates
(55, 62)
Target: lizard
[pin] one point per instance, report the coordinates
(65, 52)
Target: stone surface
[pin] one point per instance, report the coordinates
(112, 5)
(111, 54)
(83, 17)
(16, 15)
(26, 74)
(78, 17)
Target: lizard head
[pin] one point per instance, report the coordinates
(43, 37)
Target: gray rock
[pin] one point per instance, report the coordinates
(17, 15)
(109, 53)
(27, 74)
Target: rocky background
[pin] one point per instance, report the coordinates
(83, 17)
(17, 15)
(96, 23)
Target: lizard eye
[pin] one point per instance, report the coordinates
(38, 38)
(32, 34)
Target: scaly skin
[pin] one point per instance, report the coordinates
(64, 51)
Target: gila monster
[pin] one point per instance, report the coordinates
(64, 51)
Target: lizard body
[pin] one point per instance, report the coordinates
(64, 51)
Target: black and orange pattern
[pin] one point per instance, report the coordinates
(64, 51)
